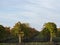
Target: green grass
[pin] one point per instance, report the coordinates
(30, 43)
(8, 44)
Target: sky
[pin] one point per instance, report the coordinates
(34, 12)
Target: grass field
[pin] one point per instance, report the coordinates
(31, 43)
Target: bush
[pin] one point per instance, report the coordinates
(56, 39)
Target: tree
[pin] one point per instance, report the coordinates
(58, 32)
(16, 29)
(3, 32)
(17, 32)
(45, 33)
(7, 29)
(24, 27)
(52, 29)
(28, 31)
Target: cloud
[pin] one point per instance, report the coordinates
(35, 12)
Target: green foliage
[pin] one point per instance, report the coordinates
(28, 31)
(43, 35)
(46, 33)
(52, 29)
(58, 32)
(15, 30)
(49, 31)
(3, 32)
(51, 26)
(56, 39)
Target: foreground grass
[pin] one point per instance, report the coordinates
(31, 43)
(9, 44)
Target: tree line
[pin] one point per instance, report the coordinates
(49, 32)
(7, 32)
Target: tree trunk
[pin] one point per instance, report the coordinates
(51, 37)
(19, 39)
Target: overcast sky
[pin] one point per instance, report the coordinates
(34, 12)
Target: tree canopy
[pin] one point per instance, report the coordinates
(48, 32)
(52, 29)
